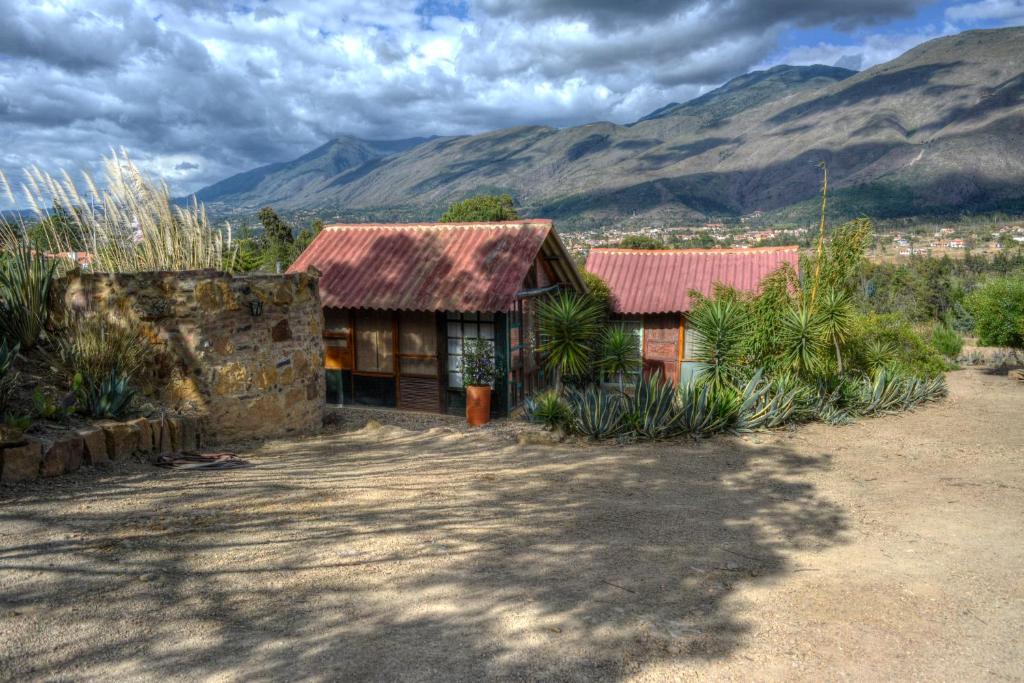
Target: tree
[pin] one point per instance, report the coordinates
(998, 310)
(274, 229)
(481, 208)
(56, 231)
(641, 242)
(306, 235)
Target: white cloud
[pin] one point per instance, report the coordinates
(196, 90)
(1008, 11)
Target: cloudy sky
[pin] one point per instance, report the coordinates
(199, 89)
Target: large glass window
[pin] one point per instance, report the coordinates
(417, 343)
(374, 342)
(460, 327)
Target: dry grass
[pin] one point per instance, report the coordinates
(131, 225)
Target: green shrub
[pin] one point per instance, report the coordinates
(8, 378)
(998, 311)
(481, 208)
(946, 341)
(911, 354)
(95, 344)
(548, 409)
(26, 277)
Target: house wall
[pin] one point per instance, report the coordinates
(245, 352)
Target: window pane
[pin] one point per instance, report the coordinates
(487, 330)
(452, 315)
(454, 329)
(469, 330)
(454, 379)
(487, 316)
(690, 340)
(417, 333)
(374, 342)
(419, 366)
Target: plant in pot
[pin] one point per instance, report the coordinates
(478, 373)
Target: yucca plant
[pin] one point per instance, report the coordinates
(109, 398)
(548, 409)
(596, 413)
(568, 324)
(620, 353)
(765, 405)
(721, 325)
(650, 411)
(878, 354)
(801, 335)
(834, 315)
(26, 277)
(704, 409)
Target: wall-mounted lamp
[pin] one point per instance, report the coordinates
(256, 307)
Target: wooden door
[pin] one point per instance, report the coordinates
(661, 345)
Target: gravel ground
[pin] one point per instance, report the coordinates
(889, 549)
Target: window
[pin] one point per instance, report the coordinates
(374, 339)
(462, 326)
(417, 344)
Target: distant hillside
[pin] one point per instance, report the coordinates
(936, 131)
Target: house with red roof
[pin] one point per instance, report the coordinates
(651, 293)
(401, 299)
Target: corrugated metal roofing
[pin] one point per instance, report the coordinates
(424, 266)
(660, 280)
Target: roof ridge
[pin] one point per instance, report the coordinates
(434, 225)
(698, 250)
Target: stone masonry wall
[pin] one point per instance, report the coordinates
(245, 351)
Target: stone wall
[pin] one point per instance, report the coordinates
(244, 352)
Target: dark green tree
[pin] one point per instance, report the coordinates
(641, 242)
(481, 208)
(275, 230)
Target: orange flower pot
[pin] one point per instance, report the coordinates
(478, 405)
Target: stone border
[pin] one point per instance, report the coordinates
(99, 445)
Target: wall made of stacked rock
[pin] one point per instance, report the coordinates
(244, 352)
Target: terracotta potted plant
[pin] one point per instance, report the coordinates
(478, 374)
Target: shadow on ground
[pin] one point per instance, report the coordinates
(386, 554)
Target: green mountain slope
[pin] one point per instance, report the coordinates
(938, 130)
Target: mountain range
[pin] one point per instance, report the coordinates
(937, 131)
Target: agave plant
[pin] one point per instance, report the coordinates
(26, 277)
(721, 326)
(547, 409)
(620, 354)
(650, 411)
(703, 409)
(568, 324)
(884, 392)
(109, 398)
(765, 405)
(596, 413)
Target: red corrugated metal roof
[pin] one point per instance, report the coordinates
(660, 280)
(424, 266)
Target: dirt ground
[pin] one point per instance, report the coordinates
(891, 549)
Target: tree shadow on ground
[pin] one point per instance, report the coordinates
(395, 555)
